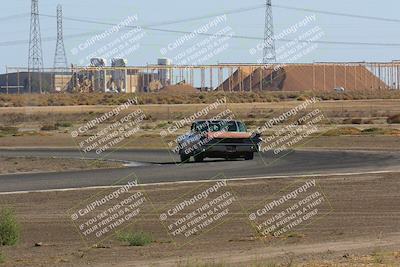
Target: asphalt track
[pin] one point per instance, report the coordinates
(156, 166)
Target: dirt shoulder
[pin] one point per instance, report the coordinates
(356, 225)
(9, 165)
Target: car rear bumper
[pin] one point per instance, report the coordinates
(227, 149)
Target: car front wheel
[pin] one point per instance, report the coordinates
(185, 158)
(249, 156)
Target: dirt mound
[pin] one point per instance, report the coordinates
(326, 78)
(303, 78)
(179, 88)
(233, 83)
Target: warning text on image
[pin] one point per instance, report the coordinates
(285, 213)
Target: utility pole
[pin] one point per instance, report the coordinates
(269, 53)
(60, 58)
(35, 59)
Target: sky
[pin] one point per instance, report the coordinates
(148, 45)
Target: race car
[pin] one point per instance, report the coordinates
(226, 139)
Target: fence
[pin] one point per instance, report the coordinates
(227, 77)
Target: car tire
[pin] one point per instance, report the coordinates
(199, 158)
(184, 158)
(249, 156)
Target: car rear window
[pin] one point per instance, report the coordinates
(228, 126)
(218, 126)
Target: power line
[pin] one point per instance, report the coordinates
(228, 12)
(162, 23)
(47, 39)
(338, 14)
(71, 36)
(232, 36)
(15, 16)
(150, 27)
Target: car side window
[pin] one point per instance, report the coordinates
(232, 127)
(199, 127)
(241, 127)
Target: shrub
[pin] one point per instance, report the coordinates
(380, 131)
(9, 228)
(378, 257)
(372, 131)
(135, 238)
(356, 121)
(301, 98)
(49, 127)
(64, 124)
(343, 131)
(8, 131)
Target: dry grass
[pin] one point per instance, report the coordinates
(341, 112)
(2, 258)
(51, 126)
(183, 98)
(353, 131)
(33, 164)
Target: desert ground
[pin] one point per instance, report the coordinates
(359, 227)
(356, 225)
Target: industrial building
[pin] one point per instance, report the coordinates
(120, 78)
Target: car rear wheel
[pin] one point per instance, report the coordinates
(199, 158)
(185, 158)
(249, 156)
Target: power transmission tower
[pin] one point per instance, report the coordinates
(60, 58)
(35, 60)
(269, 53)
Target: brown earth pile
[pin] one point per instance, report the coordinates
(233, 83)
(303, 78)
(328, 77)
(178, 88)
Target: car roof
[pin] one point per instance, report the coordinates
(215, 120)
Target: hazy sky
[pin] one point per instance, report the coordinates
(250, 23)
